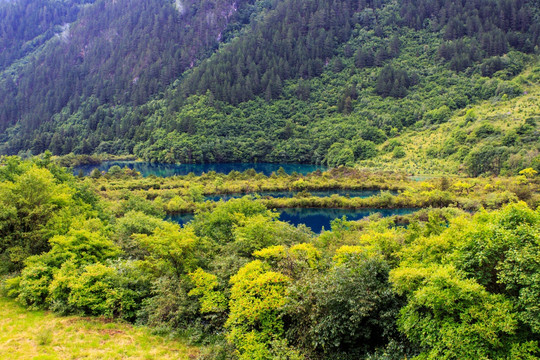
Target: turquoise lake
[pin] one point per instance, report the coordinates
(315, 219)
(165, 170)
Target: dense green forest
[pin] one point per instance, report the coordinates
(112, 53)
(27, 24)
(280, 81)
(240, 284)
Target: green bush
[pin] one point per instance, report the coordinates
(80, 247)
(134, 222)
(219, 223)
(169, 307)
(116, 289)
(137, 202)
(345, 312)
(34, 206)
(93, 291)
(470, 287)
(31, 288)
(437, 116)
(399, 153)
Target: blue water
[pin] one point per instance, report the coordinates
(181, 219)
(290, 194)
(316, 219)
(313, 218)
(164, 170)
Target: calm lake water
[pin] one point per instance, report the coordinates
(164, 170)
(316, 219)
(290, 194)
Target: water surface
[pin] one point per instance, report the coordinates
(317, 218)
(164, 170)
(181, 219)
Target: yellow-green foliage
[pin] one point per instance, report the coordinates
(306, 253)
(292, 260)
(254, 233)
(435, 149)
(455, 317)
(344, 253)
(172, 247)
(84, 244)
(528, 172)
(177, 204)
(276, 252)
(454, 284)
(34, 206)
(94, 292)
(171, 194)
(205, 284)
(257, 296)
(471, 287)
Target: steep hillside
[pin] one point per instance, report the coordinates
(389, 76)
(28, 24)
(298, 39)
(119, 52)
(294, 81)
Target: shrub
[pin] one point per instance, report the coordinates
(134, 222)
(218, 224)
(169, 307)
(437, 116)
(345, 312)
(93, 291)
(399, 153)
(257, 297)
(31, 288)
(116, 289)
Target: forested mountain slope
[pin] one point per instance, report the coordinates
(119, 52)
(27, 24)
(295, 81)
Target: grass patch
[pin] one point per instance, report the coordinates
(42, 335)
